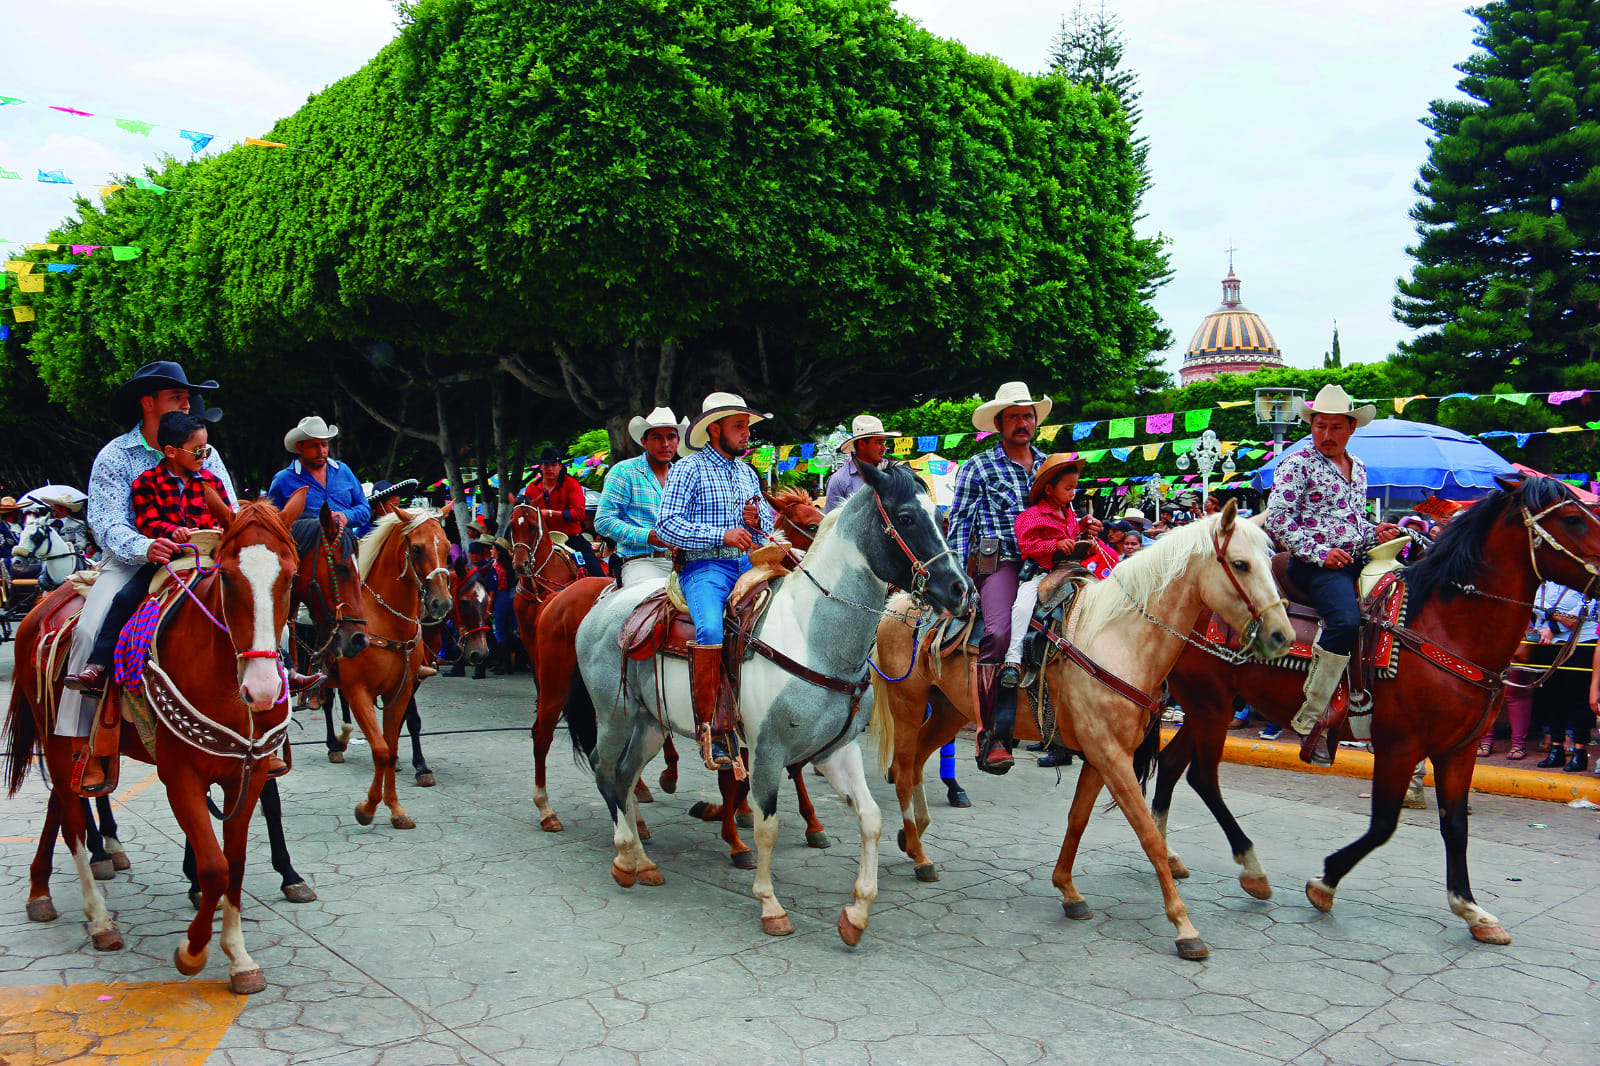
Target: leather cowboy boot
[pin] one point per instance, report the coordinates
(705, 678)
(91, 681)
(1321, 681)
(299, 682)
(994, 755)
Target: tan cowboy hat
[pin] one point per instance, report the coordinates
(717, 406)
(660, 418)
(1011, 394)
(1048, 470)
(501, 542)
(8, 504)
(1135, 516)
(1333, 400)
(311, 427)
(865, 426)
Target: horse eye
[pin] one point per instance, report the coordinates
(1241, 566)
(905, 519)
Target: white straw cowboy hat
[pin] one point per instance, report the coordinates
(684, 451)
(1333, 400)
(660, 418)
(1011, 394)
(865, 426)
(311, 427)
(717, 406)
(1135, 516)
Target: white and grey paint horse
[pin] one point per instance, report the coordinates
(42, 542)
(823, 617)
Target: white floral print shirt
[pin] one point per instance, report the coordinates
(1315, 509)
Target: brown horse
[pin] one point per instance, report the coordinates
(403, 568)
(217, 650)
(1469, 601)
(1130, 624)
(543, 569)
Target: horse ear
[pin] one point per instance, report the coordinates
(330, 528)
(872, 477)
(1230, 511)
(1510, 484)
(295, 505)
(403, 515)
(219, 507)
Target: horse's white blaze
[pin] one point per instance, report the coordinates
(94, 904)
(259, 682)
(1471, 913)
(239, 960)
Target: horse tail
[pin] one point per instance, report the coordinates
(1144, 757)
(880, 726)
(21, 734)
(581, 720)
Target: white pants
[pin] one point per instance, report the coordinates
(638, 570)
(77, 710)
(1021, 615)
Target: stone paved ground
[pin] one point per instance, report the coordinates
(477, 938)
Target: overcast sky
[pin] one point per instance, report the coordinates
(1287, 128)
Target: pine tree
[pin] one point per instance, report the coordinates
(1505, 284)
(1331, 360)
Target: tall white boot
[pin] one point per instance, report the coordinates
(1326, 669)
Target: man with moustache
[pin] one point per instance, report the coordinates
(712, 511)
(991, 491)
(866, 444)
(630, 502)
(325, 479)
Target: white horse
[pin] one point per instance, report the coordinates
(41, 542)
(822, 618)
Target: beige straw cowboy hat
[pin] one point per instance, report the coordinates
(865, 426)
(1011, 394)
(1333, 400)
(660, 418)
(717, 406)
(312, 427)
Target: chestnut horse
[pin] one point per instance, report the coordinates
(543, 569)
(403, 567)
(216, 650)
(1131, 624)
(1469, 600)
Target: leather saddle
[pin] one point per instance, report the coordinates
(661, 625)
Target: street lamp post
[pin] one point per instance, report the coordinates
(1275, 408)
(1206, 453)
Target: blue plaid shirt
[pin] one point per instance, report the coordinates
(629, 504)
(705, 497)
(991, 490)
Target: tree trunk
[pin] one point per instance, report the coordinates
(452, 469)
(497, 411)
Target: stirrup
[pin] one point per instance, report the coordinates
(1312, 748)
(708, 744)
(80, 766)
(987, 740)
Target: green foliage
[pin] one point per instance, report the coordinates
(1509, 221)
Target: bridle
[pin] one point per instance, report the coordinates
(538, 584)
(1219, 547)
(325, 548)
(1537, 532)
(919, 567)
(408, 568)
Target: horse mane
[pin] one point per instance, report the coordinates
(253, 514)
(306, 530)
(1149, 570)
(1456, 558)
(789, 496)
(378, 536)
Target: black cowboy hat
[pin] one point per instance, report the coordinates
(198, 408)
(552, 454)
(383, 490)
(150, 378)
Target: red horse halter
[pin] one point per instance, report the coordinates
(919, 567)
(1219, 546)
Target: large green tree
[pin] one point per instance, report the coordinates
(1505, 284)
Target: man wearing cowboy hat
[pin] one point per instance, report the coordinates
(991, 491)
(712, 511)
(1318, 513)
(867, 442)
(326, 480)
(559, 499)
(630, 503)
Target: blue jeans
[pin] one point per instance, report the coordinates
(706, 584)
(1333, 592)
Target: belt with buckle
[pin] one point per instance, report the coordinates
(722, 551)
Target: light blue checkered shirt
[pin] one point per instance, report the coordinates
(705, 497)
(629, 504)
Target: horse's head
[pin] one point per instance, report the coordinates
(327, 580)
(1239, 586)
(256, 562)
(472, 620)
(427, 559)
(1564, 535)
(910, 550)
(524, 530)
(798, 516)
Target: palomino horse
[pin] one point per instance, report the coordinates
(1468, 605)
(217, 650)
(402, 565)
(1131, 625)
(800, 693)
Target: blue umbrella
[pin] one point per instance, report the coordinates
(1413, 460)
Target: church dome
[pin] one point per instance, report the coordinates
(1231, 340)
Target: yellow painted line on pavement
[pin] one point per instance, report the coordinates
(145, 1023)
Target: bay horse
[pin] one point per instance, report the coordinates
(1468, 600)
(542, 567)
(799, 694)
(402, 566)
(1130, 624)
(217, 650)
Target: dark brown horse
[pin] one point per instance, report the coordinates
(543, 569)
(1469, 603)
(217, 651)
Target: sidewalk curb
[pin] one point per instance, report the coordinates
(1491, 780)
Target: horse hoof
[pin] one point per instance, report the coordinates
(426, 779)
(900, 839)
(1192, 947)
(776, 925)
(551, 824)
(625, 878)
(744, 860)
(247, 982)
(849, 932)
(41, 910)
(336, 756)
(669, 781)
(363, 817)
(1179, 870)
(929, 872)
(109, 940)
(1320, 895)
(194, 898)
(187, 966)
(402, 821)
(641, 793)
(1077, 909)
(1259, 887)
(103, 870)
(299, 892)
(651, 876)
(745, 821)
(644, 832)
(957, 797)
(698, 810)
(1491, 934)
(818, 840)
(120, 860)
